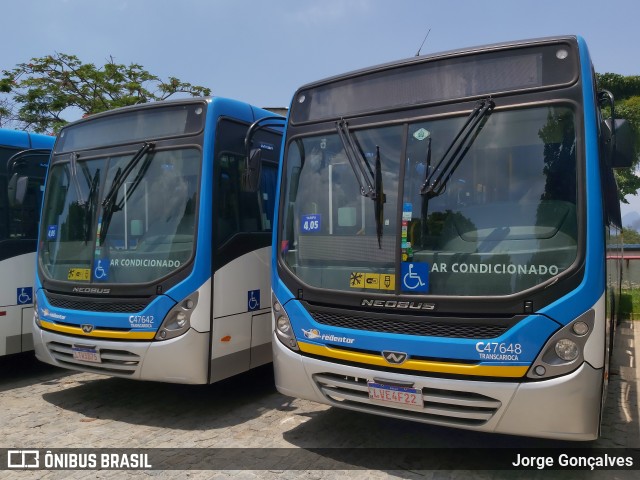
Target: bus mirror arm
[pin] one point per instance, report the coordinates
(253, 156)
(252, 171)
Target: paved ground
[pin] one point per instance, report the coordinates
(42, 407)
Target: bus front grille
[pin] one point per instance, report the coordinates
(93, 306)
(407, 327)
(112, 362)
(441, 407)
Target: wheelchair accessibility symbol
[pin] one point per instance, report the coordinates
(253, 300)
(101, 269)
(24, 296)
(415, 277)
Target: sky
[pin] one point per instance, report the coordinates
(261, 51)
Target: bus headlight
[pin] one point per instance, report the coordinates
(282, 325)
(564, 351)
(36, 313)
(178, 319)
(567, 349)
(580, 328)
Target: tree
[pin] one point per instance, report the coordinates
(626, 91)
(629, 236)
(40, 94)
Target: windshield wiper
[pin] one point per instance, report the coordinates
(436, 181)
(90, 205)
(73, 172)
(121, 175)
(357, 160)
(379, 197)
(108, 204)
(85, 203)
(370, 182)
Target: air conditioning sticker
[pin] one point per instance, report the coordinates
(373, 281)
(79, 274)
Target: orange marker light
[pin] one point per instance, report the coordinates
(226, 339)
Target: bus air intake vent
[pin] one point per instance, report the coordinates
(92, 306)
(405, 327)
(120, 363)
(441, 407)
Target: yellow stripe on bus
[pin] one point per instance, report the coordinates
(417, 365)
(97, 333)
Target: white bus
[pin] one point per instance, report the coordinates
(154, 253)
(442, 230)
(23, 165)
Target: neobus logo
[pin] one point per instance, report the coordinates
(395, 304)
(98, 291)
(395, 358)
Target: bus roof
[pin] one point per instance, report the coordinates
(22, 139)
(435, 56)
(81, 133)
(256, 111)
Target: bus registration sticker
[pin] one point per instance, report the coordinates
(86, 354)
(394, 396)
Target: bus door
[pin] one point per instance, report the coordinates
(242, 224)
(19, 215)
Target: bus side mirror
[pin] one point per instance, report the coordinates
(17, 190)
(619, 143)
(252, 171)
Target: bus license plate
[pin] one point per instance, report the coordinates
(393, 396)
(86, 354)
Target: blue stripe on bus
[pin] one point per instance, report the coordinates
(569, 307)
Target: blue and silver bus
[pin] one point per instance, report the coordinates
(154, 248)
(441, 238)
(23, 166)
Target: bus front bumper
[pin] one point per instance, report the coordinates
(566, 407)
(179, 360)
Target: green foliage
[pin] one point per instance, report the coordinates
(627, 303)
(622, 87)
(630, 236)
(626, 91)
(45, 89)
(630, 302)
(628, 180)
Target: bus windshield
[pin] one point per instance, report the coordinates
(142, 232)
(505, 222)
